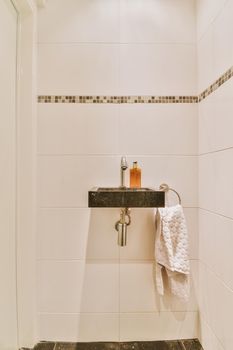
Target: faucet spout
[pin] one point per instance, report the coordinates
(124, 166)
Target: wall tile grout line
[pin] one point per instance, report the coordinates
(118, 155)
(216, 275)
(89, 208)
(115, 312)
(116, 42)
(143, 99)
(100, 260)
(215, 151)
(212, 21)
(213, 331)
(215, 213)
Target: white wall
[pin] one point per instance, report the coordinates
(88, 288)
(17, 173)
(8, 62)
(26, 172)
(215, 56)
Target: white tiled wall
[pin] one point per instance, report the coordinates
(159, 69)
(117, 47)
(215, 29)
(215, 52)
(88, 288)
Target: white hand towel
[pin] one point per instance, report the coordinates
(171, 251)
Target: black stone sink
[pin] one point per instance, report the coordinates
(117, 197)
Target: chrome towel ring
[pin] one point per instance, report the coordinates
(166, 188)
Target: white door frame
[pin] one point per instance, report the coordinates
(26, 172)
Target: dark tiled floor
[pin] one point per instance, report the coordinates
(187, 344)
(192, 344)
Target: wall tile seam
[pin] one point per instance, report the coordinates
(84, 260)
(97, 260)
(220, 280)
(117, 42)
(78, 314)
(215, 213)
(88, 208)
(100, 260)
(215, 151)
(140, 99)
(212, 22)
(115, 262)
(118, 155)
(116, 313)
(202, 316)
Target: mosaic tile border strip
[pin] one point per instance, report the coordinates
(138, 99)
(188, 344)
(213, 87)
(117, 99)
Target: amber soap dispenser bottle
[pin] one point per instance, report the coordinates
(135, 176)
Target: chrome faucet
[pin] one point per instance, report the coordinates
(124, 166)
(121, 225)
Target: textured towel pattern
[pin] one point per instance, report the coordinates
(171, 251)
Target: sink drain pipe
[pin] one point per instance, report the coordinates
(121, 226)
